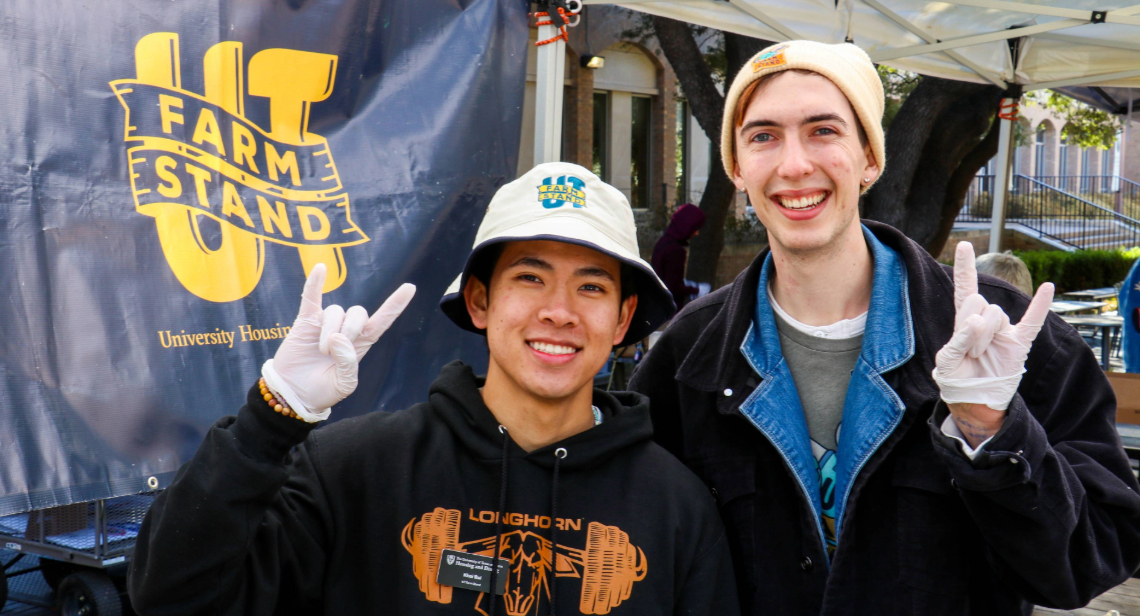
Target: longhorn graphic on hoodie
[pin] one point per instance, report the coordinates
(608, 566)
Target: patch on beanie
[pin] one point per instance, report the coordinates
(770, 58)
(564, 190)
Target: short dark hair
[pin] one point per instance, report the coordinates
(484, 262)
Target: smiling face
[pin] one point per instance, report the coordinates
(799, 157)
(553, 313)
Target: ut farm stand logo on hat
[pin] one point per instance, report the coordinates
(772, 57)
(566, 191)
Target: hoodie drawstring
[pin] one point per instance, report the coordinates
(559, 454)
(499, 521)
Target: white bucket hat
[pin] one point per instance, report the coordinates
(564, 202)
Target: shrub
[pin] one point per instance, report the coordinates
(1081, 269)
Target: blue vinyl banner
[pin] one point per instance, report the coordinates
(169, 173)
(1129, 308)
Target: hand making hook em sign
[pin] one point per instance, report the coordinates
(984, 360)
(316, 366)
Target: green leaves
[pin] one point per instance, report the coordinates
(1085, 126)
(1082, 269)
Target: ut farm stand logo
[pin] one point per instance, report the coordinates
(564, 190)
(770, 58)
(218, 185)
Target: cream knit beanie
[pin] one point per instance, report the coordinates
(847, 66)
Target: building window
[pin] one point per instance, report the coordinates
(682, 147)
(1039, 152)
(601, 166)
(639, 147)
(1086, 162)
(1063, 167)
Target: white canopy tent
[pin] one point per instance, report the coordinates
(1035, 45)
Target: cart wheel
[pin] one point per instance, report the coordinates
(53, 571)
(88, 593)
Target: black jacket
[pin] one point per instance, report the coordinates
(352, 521)
(1048, 513)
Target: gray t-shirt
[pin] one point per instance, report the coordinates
(821, 368)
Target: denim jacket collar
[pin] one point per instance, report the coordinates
(889, 315)
(871, 410)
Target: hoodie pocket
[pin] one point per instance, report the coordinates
(934, 545)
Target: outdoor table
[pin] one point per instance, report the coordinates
(1108, 325)
(1091, 294)
(1130, 435)
(1066, 307)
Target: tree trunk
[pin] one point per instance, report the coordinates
(707, 106)
(935, 145)
(960, 184)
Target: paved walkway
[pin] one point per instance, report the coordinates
(1125, 599)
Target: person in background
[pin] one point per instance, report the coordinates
(1009, 268)
(672, 253)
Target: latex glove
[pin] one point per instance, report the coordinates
(984, 361)
(316, 365)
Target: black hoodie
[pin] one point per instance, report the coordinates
(351, 519)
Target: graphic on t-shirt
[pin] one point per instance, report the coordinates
(608, 566)
(826, 461)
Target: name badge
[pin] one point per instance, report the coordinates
(471, 571)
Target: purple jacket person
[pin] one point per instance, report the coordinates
(671, 252)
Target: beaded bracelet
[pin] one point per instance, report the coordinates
(279, 406)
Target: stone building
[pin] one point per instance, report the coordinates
(1044, 152)
(619, 120)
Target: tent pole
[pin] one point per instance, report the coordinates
(548, 97)
(1127, 134)
(1001, 179)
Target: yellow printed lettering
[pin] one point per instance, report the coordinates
(278, 163)
(201, 176)
(165, 103)
(232, 204)
(163, 167)
(306, 213)
(207, 131)
(269, 218)
(245, 148)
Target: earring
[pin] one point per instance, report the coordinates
(866, 180)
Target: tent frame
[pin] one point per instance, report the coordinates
(551, 63)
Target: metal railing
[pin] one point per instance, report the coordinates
(1058, 214)
(1111, 191)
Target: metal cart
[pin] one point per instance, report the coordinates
(82, 548)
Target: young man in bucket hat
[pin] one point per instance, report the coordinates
(880, 436)
(408, 512)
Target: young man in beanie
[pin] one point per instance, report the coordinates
(409, 512)
(880, 436)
